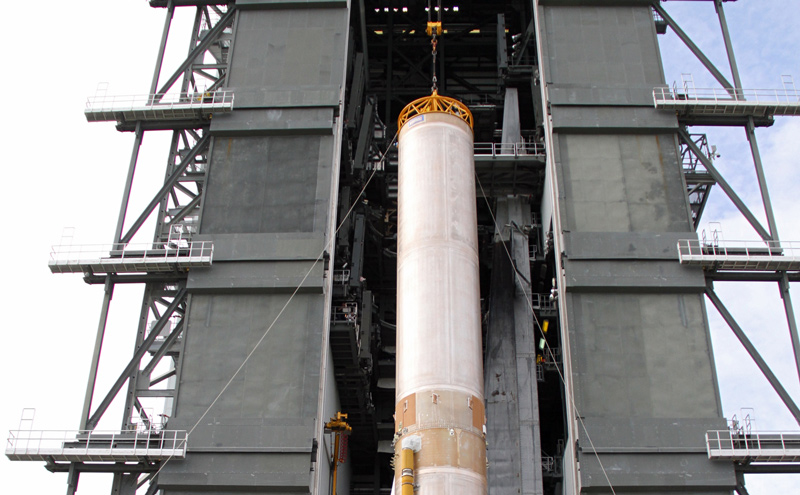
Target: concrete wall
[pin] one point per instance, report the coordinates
(269, 208)
(640, 364)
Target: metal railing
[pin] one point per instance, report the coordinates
(345, 313)
(199, 101)
(551, 357)
(175, 252)
(766, 255)
(542, 302)
(759, 447)
(509, 149)
(729, 249)
(688, 94)
(341, 277)
(93, 445)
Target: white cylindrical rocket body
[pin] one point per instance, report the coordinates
(439, 352)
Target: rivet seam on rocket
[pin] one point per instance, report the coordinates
(458, 442)
(435, 103)
(419, 411)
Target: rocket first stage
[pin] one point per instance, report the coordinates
(440, 444)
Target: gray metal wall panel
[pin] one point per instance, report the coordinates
(618, 245)
(602, 47)
(622, 183)
(322, 96)
(285, 4)
(255, 435)
(270, 184)
(613, 119)
(261, 277)
(266, 184)
(653, 435)
(259, 247)
(280, 380)
(637, 474)
(570, 94)
(632, 274)
(237, 473)
(291, 48)
(641, 356)
(274, 121)
(602, 3)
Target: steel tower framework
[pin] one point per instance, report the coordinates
(270, 280)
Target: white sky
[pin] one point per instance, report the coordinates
(63, 172)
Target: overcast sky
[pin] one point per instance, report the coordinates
(63, 172)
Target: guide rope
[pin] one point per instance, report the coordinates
(326, 249)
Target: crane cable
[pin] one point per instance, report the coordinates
(434, 30)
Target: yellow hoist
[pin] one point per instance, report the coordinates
(340, 429)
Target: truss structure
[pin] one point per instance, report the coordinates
(182, 101)
(767, 260)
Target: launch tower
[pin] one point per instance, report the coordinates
(271, 280)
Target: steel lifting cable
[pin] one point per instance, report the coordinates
(434, 30)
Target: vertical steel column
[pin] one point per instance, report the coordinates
(72, 479)
(126, 193)
(790, 318)
(762, 181)
(198, 24)
(98, 345)
(728, 45)
(163, 47)
(130, 398)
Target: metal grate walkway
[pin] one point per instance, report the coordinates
(717, 101)
(95, 446)
(727, 445)
(509, 151)
(131, 258)
(740, 255)
(157, 106)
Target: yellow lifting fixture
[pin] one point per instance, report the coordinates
(339, 427)
(435, 103)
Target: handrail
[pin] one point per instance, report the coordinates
(199, 100)
(776, 445)
(174, 250)
(725, 96)
(543, 302)
(722, 249)
(346, 313)
(32, 444)
(508, 149)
